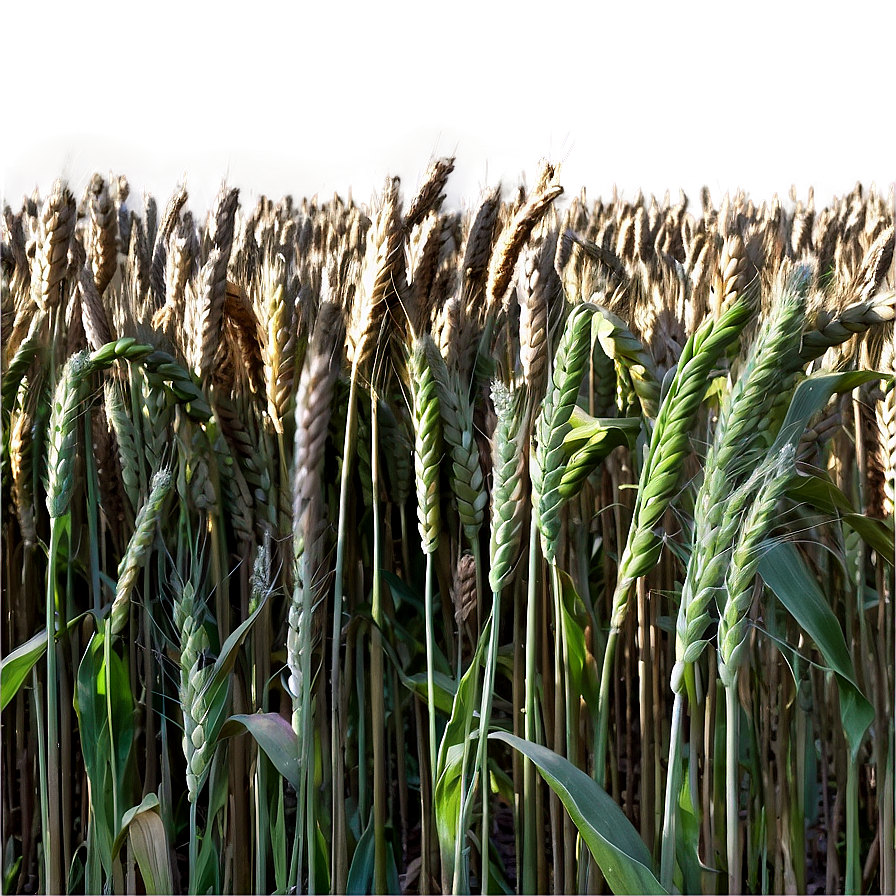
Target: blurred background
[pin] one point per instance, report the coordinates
(315, 98)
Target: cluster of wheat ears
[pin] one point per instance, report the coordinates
(640, 639)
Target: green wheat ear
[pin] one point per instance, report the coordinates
(63, 434)
(670, 444)
(552, 424)
(746, 555)
(467, 481)
(508, 506)
(138, 547)
(194, 675)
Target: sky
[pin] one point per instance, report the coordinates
(316, 98)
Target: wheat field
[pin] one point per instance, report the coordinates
(543, 547)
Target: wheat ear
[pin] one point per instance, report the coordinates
(552, 424)
(425, 248)
(160, 251)
(208, 313)
(18, 365)
(467, 481)
(731, 279)
(463, 588)
(194, 675)
(855, 319)
(21, 443)
(276, 339)
(744, 562)
(669, 443)
(743, 428)
(430, 196)
(626, 350)
(539, 289)
(103, 244)
(138, 547)
(57, 228)
(883, 455)
(427, 444)
(63, 434)
(877, 262)
(514, 237)
(383, 280)
(93, 313)
(508, 486)
(660, 473)
(480, 240)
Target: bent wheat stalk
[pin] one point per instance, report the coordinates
(658, 482)
(733, 640)
(62, 439)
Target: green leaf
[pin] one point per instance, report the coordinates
(278, 842)
(447, 795)
(810, 397)
(402, 590)
(322, 865)
(208, 865)
(230, 649)
(148, 802)
(589, 442)
(362, 867)
(573, 611)
(11, 874)
(274, 735)
(96, 743)
(586, 428)
(612, 839)
(18, 664)
(360, 873)
(784, 571)
(444, 688)
(688, 841)
(821, 493)
(216, 691)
